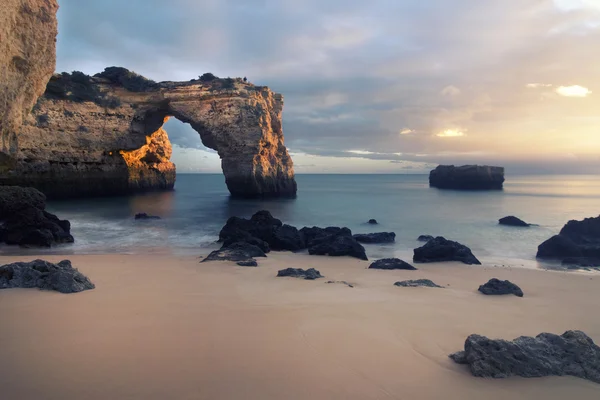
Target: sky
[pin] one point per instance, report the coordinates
(385, 86)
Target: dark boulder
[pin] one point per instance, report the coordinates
(336, 242)
(467, 177)
(379, 237)
(239, 251)
(513, 221)
(24, 221)
(572, 353)
(287, 237)
(41, 274)
(497, 287)
(440, 249)
(310, 274)
(425, 238)
(577, 241)
(145, 216)
(373, 222)
(417, 283)
(585, 232)
(247, 263)
(243, 236)
(391, 263)
(559, 247)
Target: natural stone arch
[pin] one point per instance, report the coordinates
(113, 138)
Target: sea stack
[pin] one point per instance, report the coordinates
(467, 177)
(103, 135)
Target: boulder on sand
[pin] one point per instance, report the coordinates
(334, 242)
(572, 353)
(309, 274)
(417, 283)
(44, 275)
(513, 221)
(237, 252)
(375, 238)
(440, 249)
(391, 263)
(467, 177)
(497, 287)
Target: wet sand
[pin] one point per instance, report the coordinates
(167, 327)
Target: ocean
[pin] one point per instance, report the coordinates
(195, 211)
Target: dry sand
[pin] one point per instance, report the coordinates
(166, 327)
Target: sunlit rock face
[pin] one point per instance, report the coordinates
(103, 135)
(28, 31)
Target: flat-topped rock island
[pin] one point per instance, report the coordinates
(467, 177)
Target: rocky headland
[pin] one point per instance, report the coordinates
(467, 177)
(102, 135)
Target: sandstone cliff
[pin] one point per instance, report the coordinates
(103, 135)
(28, 31)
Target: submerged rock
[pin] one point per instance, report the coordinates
(379, 237)
(310, 274)
(24, 221)
(497, 287)
(513, 221)
(44, 275)
(440, 249)
(467, 177)
(572, 353)
(417, 283)
(425, 238)
(145, 216)
(373, 222)
(391, 263)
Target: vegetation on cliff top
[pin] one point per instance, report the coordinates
(128, 79)
(78, 87)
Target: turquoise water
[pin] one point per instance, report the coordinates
(194, 213)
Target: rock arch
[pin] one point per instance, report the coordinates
(103, 135)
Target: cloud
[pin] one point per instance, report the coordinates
(573, 91)
(538, 85)
(406, 131)
(450, 91)
(451, 133)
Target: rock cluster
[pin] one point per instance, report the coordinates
(25, 222)
(374, 238)
(28, 31)
(61, 277)
(572, 353)
(578, 243)
(440, 249)
(269, 233)
(417, 283)
(467, 177)
(309, 274)
(102, 135)
(497, 287)
(391, 263)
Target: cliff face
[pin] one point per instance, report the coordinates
(467, 177)
(103, 135)
(28, 31)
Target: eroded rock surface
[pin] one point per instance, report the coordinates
(467, 177)
(28, 31)
(103, 135)
(45, 275)
(572, 353)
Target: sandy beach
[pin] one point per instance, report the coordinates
(167, 327)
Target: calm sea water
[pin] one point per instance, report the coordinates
(193, 214)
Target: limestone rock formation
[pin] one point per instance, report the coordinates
(467, 177)
(103, 135)
(28, 31)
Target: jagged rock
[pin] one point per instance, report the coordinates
(425, 238)
(513, 221)
(497, 287)
(310, 274)
(61, 277)
(467, 177)
(577, 241)
(379, 237)
(239, 251)
(23, 220)
(440, 249)
(572, 353)
(373, 222)
(334, 242)
(391, 263)
(417, 283)
(247, 263)
(28, 31)
(287, 237)
(111, 140)
(145, 216)
(342, 283)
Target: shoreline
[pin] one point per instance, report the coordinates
(163, 326)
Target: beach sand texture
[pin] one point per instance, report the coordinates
(167, 327)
